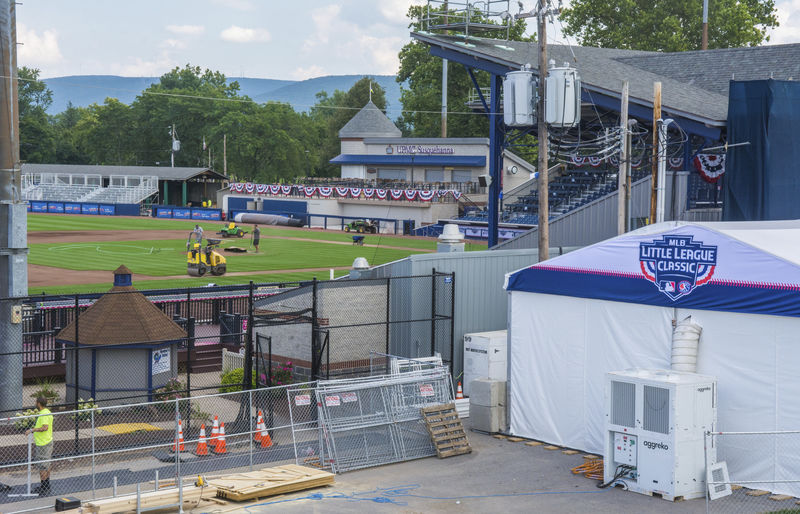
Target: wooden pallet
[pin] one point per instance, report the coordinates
(446, 430)
(192, 496)
(270, 482)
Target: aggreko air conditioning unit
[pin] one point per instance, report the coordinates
(655, 426)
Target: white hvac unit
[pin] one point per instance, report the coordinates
(485, 356)
(562, 96)
(655, 426)
(519, 99)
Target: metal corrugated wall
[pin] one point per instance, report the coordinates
(481, 303)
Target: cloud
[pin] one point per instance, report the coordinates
(335, 35)
(236, 34)
(308, 73)
(176, 44)
(37, 48)
(239, 5)
(394, 10)
(186, 30)
(138, 67)
(789, 18)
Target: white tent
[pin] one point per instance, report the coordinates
(610, 307)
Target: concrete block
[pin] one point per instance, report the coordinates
(487, 392)
(487, 419)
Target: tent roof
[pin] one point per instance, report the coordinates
(751, 267)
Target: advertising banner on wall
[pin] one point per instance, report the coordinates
(161, 361)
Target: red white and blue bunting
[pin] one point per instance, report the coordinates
(426, 196)
(675, 163)
(710, 166)
(342, 192)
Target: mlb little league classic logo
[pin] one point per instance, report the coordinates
(677, 265)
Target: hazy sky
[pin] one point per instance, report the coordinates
(283, 39)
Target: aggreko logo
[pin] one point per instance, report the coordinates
(653, 446)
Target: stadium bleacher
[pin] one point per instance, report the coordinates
(88, 188)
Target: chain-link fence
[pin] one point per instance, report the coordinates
(154, 444)
(753, 472)
(329, 329)
(130, 347)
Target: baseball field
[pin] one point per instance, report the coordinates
(76, 254)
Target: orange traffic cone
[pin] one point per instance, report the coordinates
(459, 392)
(266, 440)
(202, 447)
(259, 423)
(214, 433)
(220, 446)
(179, 446)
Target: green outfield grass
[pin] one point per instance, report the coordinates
(167, 257)
(41, 222)
(190, 282)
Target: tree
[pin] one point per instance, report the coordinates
(420, 76)
(36, 136)
(669, 25)
(64, 125)
(333, 112)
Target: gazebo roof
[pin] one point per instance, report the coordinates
(123, 316)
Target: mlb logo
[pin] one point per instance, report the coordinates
(668, 286)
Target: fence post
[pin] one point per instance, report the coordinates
(248, 352)
(93, 452)
(176, 443)
(315, 358)
(190, 323)
(433, 312)
(388, 310)
(452, 322)
(250, 436)
(76, 380)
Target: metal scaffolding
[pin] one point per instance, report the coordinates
(468, 16)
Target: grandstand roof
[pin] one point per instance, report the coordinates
(370, 122)
(162, 172)
(695, 84)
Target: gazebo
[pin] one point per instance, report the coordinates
(124, 347)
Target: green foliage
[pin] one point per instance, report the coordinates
(85, 408)
(46, 389)
(24, 423)
(669, 26)
(172, 390)
(232, 380)
(333, 112)
(282, 374)
(420, 75)
(37, 142)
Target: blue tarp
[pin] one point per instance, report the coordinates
(762, 178)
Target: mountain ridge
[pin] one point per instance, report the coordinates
(84, 90)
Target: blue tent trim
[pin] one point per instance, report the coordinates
(407, 160)
(715, 296)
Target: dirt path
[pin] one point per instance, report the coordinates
(44, 276)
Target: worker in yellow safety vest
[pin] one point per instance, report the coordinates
(43, 444)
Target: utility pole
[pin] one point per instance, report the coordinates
(704, 44)
(543, 184)
(628, 195)
(623, 163)
(444, 79)
(172, 148)
(662, 168)
(225, 154)
(13, 213)
(654, 158)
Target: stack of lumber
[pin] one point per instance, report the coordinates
(164, 498)
(270, 482)
(446, 430)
